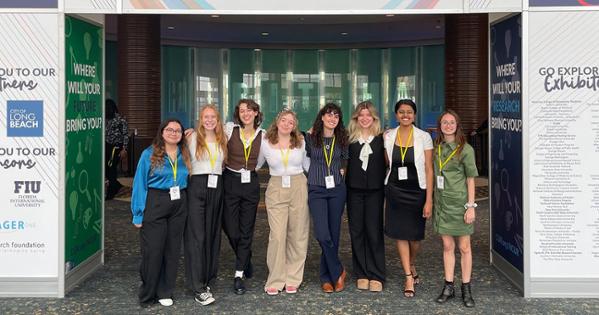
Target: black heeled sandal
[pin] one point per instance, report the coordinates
(407, 292)
(415, 276)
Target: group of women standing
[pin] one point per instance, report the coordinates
(211, 180)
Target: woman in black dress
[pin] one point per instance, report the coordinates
(409, 188)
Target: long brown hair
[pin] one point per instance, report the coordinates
(272, 134)
(157, 158)
(221, 139)
(354, 128)
(460, 137)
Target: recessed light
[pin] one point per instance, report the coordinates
(215, 16)
(257, 49)
(344, 33)
(389, 15)
(170, 27)
(264, 33)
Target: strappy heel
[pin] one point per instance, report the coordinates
(407, 292)
(415, 276)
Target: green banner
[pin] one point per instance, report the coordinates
(84, 129)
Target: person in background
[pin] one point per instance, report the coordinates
(326, 146)
(208, 151)
(365, 197)
(454, 206)
(242, 188)
(286, 204)
(116, 142)
(159, 207)
(409, 188)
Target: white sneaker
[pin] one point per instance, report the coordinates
(166, 302)
(205, 298)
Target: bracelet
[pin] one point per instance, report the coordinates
(470, 205)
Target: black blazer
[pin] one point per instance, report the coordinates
(374, 176)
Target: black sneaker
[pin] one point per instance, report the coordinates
(238, 286)
(205, 297)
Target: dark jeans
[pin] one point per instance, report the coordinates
(326, 208)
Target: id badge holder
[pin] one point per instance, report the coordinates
(175, 193)
(212, 181)
(329, 181)
(246, 177)
(286, 181)
(440, 182)
(402, 173)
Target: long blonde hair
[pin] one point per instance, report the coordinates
(354, 129)
(221, 139)
(272, 134)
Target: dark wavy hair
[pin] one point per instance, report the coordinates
(251, 104)
(157, 158)
(318, 126)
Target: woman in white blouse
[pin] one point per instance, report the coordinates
(286, 203)
(208, 148)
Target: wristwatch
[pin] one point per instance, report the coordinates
(470, 205)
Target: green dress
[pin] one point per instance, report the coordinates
(448, 214)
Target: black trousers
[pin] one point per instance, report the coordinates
(161, 234)
(111, 169)
(365, 214)
(202, 232)
(239, 215)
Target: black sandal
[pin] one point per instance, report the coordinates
(410, 293)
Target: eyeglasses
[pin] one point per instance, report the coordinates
(448, 123)
(173, 131)
(409, 112)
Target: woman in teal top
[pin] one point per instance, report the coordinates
(454, 206)
(159, 207)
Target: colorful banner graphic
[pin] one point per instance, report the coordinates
(506, 140)
(29, 158)
(84, 129)
(564, 146)
(257, 5)
(562, 3)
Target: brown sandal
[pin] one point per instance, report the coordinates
(407, 292)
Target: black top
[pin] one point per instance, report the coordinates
(374, 176)
(318, 167)
(412, 182)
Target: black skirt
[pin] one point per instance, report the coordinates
(405, 201)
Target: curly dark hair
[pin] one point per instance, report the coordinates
(251, 104)
(318, 126)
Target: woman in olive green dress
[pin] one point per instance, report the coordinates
(454, 206)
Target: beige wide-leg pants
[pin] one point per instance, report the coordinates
(289, 221)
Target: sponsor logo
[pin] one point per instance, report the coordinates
(27, 194)
(25, 118)
(12, 225)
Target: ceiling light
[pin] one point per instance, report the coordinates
(170, 27)
(264, 34)
(344, 33)
(215, 16)
(389, 15)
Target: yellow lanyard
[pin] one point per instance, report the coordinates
(174, 167)
(329, 158)
(285, 157)
(403, 150)
(211, 158)
(246, 149)
(442, 164)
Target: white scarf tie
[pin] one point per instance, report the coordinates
(366, 151)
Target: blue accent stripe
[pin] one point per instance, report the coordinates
(204, 4)
(30, 4)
